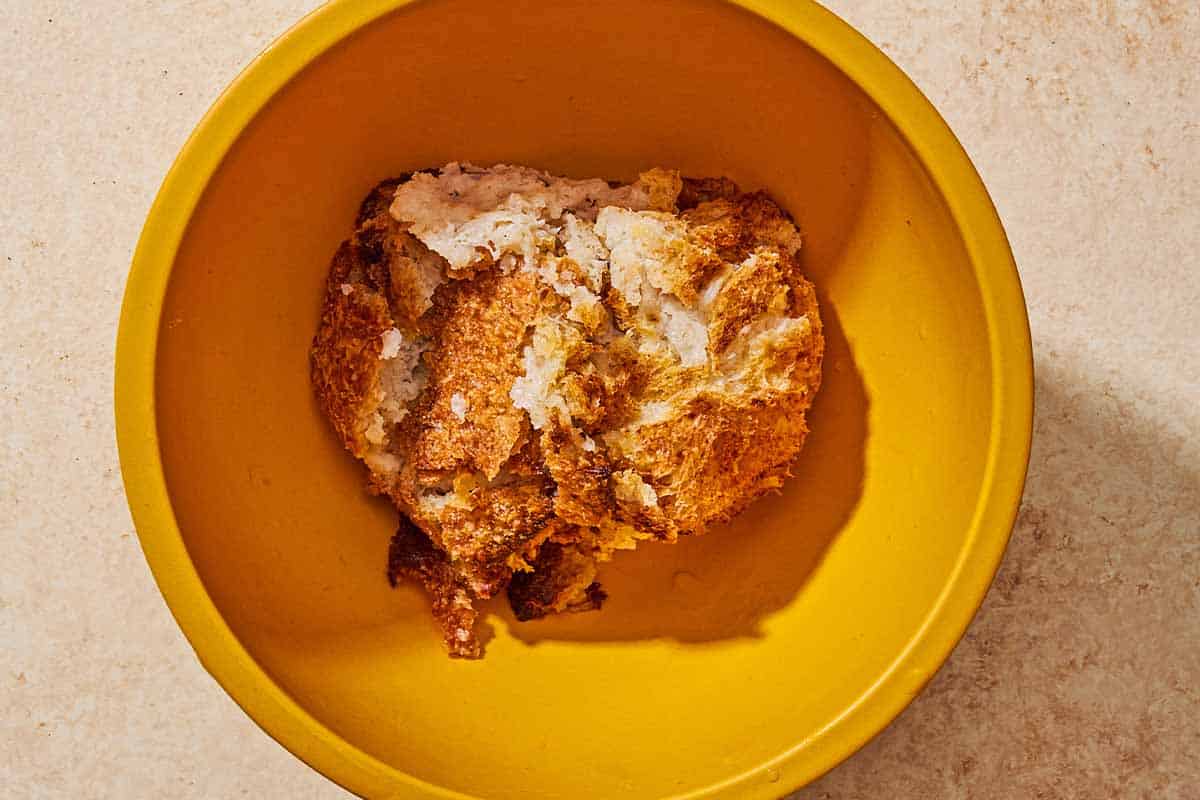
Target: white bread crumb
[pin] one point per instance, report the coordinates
(392, 339)
(459, 405)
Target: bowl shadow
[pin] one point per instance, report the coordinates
(1104, 542)
(722, 585)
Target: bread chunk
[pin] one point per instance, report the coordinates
(539, 371)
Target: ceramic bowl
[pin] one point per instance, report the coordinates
(743, 663)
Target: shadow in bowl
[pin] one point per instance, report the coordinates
(723, 584)
(1105, 541)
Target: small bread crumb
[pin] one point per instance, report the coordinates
(391, 339)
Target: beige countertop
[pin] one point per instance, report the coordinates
(1079, 678)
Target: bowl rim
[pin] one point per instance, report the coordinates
(224, 657)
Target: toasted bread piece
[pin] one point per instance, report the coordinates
(540, 371)
(411, 556)
(562, 579)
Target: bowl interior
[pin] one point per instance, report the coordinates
(712, 657)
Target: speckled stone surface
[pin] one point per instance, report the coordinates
(1080, 678)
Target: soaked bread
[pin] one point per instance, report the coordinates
(539, 371)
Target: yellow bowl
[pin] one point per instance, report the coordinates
(743, 663)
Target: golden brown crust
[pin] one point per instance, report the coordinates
(736, 227)
(528, 419)
(495, 535)
(695, 191)
(582, 494)
(749, 293)
(345, 356)
(481, 326)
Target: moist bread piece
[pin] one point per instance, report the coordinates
(539, 371)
